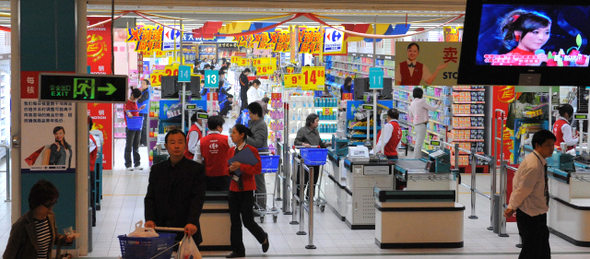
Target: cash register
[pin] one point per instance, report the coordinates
(439, 161)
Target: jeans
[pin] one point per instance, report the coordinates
(534, 234)
(240, 203)
(144, 131)
(132, 144)
(420, 130)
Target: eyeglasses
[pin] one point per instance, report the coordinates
(50, 205)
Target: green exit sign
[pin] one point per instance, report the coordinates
(83, 88)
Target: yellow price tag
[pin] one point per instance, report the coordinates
(290, 70)
(265, 70)
(160, 53)
(156, 78)
(235, 59)
(313, 77)
(171, 70)
(292, 80)
(244, 62)
(327, 111)
(264, 61)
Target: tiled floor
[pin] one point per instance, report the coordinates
(122, 206)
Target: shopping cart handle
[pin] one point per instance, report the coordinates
(169, 229)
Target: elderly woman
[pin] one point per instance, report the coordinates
(37, 224)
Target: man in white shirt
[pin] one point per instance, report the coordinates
(530, 198)
(419, 114)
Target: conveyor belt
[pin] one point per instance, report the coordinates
(411, 164)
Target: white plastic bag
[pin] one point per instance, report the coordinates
(188, 249)
(140, 231)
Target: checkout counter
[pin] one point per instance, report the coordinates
(569, 190)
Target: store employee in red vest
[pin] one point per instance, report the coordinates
(412, 72)
(562, 129)
(194, 135)
(388, 139)
(213, 153)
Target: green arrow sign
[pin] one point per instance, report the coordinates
(83, 88)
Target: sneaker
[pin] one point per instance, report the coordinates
(138, 168)
(129, 168)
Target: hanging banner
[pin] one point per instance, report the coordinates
(453, 33)
(148, 38)
(99, 46)
(427, 63)
(102, 117)
(311, 40)
(503, 97)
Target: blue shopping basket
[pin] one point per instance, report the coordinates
(314, 156)
(270, 164)
(135, 123)
(146, 247)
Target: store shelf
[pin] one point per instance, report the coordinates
(468, 90)
(348, 62)
(468, 127)
(437, 122)
(351, 71)
(386, 67)
(469, 115)
(359, 136)
(401, 111)
(400, 100)
(435, 133)
(436, 86)
(363, 128)
(432, 97)
(405, 122)
(469, 102)
(468, 140)
(403, 90)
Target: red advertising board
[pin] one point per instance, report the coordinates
(29, 82)
(99, 46)
(102, 117)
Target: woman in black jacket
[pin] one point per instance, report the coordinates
(244, 88)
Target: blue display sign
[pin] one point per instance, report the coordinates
(184, 74)
(375, 78)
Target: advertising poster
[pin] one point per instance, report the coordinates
(503, 97)
(49, 129)
(427, 63)
(102, 117)
(99, 47)
(170, 37)
(333, 40)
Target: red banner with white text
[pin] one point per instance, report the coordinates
(102, 118)
(99, 46)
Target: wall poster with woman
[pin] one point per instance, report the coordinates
(427, 63)
(48, 135)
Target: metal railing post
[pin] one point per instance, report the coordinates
(503, 183)
(473, 182)
(293, 192)
(7, 173)
(457, 156)
(287, 165)
(301, 196)
(492, 168)
(310, 217)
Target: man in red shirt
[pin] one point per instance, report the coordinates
(132, 137)
(195, 133)
(388, 139)
(213, 153)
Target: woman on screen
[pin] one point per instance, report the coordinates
(412, 72)
(525, 33)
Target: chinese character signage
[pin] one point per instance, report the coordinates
(427, 63)
(311, 40)
(49, 135)
(99, 47)
(102, 118)
(83, 87)
(148, 38)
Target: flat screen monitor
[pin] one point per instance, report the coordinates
(171, 87)
(361, 86)
(525, 42)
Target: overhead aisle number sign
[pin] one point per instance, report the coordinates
(184, 74)
(375, 78)
(211, 78)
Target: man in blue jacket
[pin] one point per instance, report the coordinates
(144, 99)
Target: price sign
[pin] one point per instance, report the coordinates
(293, 80)
(313, 77)
(244, 62)
(290, 70)
(327, 111)
(156, 78)
(265, 70)
(211, 78)
(171, 70)
(184, 74)
(375, 78)
(264, 61)
(235, 59)
(160, 53)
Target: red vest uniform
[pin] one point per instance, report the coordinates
(390, 148)
(415, 78)
(559, 134)
(215, 152)
(93, 154)
(248, 172)
(188, 154)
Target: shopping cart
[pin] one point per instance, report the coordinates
(147, 247)
(315, 156)
(270, 164)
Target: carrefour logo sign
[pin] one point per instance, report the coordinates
(333, 40)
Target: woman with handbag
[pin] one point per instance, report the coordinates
(241, 194)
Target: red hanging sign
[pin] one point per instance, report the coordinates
(99, 46)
